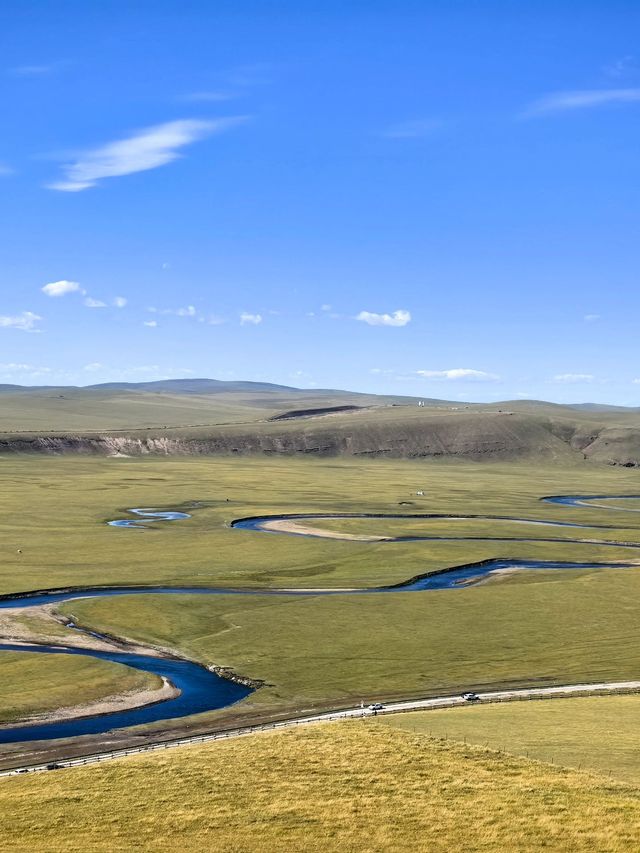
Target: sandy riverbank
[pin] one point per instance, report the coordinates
(287, 525)
(106, 705)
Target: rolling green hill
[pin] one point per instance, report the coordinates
(206, 416)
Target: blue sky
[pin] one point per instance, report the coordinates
(429, 198)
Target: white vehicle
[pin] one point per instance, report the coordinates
(470, 697)
(377, 706)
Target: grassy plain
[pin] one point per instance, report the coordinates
(601, 733)
(36, 684)
(357, 786)
(339, 649)
(54, 510)
(316, 651)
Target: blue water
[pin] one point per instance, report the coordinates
(588, 501)
(202, 690)
(149, 515)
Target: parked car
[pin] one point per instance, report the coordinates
(470, 697)
(53, 766)
(377, 706)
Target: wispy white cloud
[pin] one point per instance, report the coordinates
(413, 129)
(26, 321)
(230, 83)
(34, 70)
(250, 319)
(22, 371)
(591, 318)
(150, 323)
(570, 378)
(147, 149)
(90, 302)
(209, 96)
(184, 311)
(396, 318)
(93, 367)
(61, 288)
(580, 99)
(120, 302)
(458, 373)
(622, 66)
(6, 170)
(248, 76)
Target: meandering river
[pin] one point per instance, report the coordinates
(202, 690)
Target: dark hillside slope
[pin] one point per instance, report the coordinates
(392, 433)
(212, 417)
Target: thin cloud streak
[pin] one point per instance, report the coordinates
(459, 373)
(25, 322)
(559, 102)
(209, 97)
(33, 70)
(414, 129)
(147, 149)
(571, 378)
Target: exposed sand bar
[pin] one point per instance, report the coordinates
(287, 525)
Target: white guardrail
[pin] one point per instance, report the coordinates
(563, 691)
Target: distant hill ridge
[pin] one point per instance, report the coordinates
(214, 416)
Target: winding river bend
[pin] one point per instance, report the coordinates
(202, 690)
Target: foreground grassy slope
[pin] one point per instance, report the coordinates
(600, 734)
(354, 786)
(35, 684)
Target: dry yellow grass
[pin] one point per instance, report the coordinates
(356, 786)
(599, 733)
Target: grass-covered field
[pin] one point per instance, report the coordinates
(545, 627)
(357, 786)
(339, 649)
(601, 734)
(54, 510)
(37, 684)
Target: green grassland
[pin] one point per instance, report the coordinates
(54, 510)
(357, 786)
(494, 527)
(320, 651)
(36, 684)
(328, 651)
(365, 785)
(601, 733)
(81, 410)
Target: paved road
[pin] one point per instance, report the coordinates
(350, 713)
